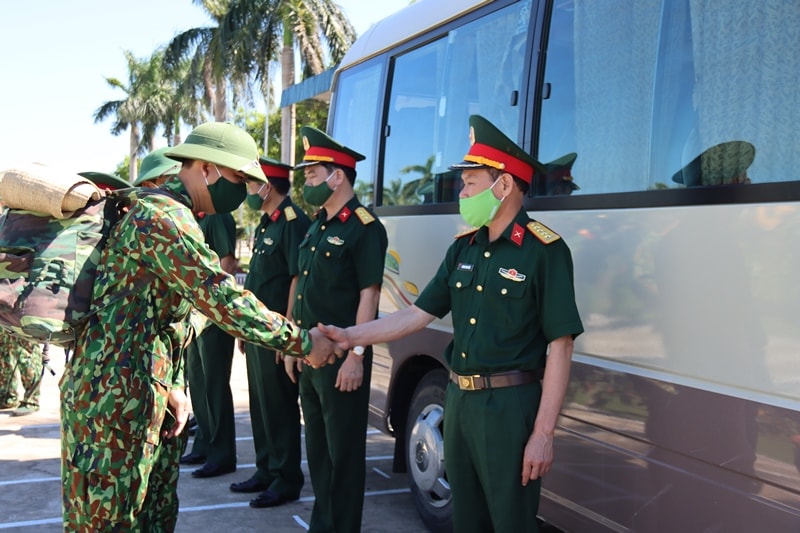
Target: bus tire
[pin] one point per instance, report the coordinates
(425, 453)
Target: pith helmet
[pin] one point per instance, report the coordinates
(273, 168)
(320, 148)
(221, 143)
(156, 164)
(105, 181)
(721, 164)
(491, 148)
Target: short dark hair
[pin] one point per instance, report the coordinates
(281, 185)
(349, 172)
(522, 185)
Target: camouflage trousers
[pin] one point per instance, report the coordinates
(127, 486)
(18, 355)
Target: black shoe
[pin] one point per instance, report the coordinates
(269, 498)
(213, 470)
(193, 459)
(251, 485)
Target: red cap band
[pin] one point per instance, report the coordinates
(326, 155)
(273, 171)
(491, 157)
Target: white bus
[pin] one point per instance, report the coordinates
(671, 132)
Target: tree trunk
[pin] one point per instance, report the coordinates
(220, 102)
(288, 117)
(133, 168)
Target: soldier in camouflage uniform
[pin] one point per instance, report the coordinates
(122, 392)
(26, 357)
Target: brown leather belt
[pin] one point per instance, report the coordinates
(496, 381)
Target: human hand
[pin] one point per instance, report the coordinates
(323, 350)
(337, 335)
(278, 358)
(178, 406)
(537, 457)
(292, 364)
(351, 374)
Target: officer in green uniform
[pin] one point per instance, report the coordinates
(274, 412)
(509, 286)
(126, 372)
(209, 360)
(340, 275)
(156, 168)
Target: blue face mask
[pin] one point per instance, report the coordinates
(225, 195)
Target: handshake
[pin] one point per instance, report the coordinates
(328, 343)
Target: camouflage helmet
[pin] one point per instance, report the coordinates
(156, 164)
(221, 143)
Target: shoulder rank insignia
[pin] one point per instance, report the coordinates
(542, 232)
(364, 216)
(289, 212)
(465, 233)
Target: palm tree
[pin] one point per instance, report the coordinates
(317, 29)
(144, 105)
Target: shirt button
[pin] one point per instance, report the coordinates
(299, 296)
(322, 227)
(480, 288)
(487, 254)
(313, 248)
(458, 284)
(305, 272)
(463, 355)
(504, 291)
(263, 230)
(327, 254)
(472, 321)
(299, 322)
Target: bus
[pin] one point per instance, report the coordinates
(669, 134)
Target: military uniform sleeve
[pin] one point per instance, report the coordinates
(556, 293)
(174, 249)
(369, 255)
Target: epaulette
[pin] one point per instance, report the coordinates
(542, 232)
(364, 216)
(289, 213)
(465, 233)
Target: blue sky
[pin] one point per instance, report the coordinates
(56, 55)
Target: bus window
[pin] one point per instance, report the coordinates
(645, 94)
(434, 89)
(356, 119)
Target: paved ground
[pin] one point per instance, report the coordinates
(29, 478)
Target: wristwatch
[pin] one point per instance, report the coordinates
(358, 350)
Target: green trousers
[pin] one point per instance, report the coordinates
(275, 419)
(336, 440)
(208, 372)
(485, 433)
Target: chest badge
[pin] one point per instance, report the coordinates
(512, 274)
(465, 267)
(268, 241)
(336, 241)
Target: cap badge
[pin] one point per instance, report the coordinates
(306, 144)
(336, 241)
(471, 135)
(512, 274)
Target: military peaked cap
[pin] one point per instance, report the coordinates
(322, 149)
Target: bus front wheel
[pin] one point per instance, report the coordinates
(425, 446)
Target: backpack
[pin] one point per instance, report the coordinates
(48, 266)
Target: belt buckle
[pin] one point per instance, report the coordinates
(467, 382)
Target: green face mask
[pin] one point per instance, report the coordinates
(254, 201)
(480, 209)
(317, 194)
(225, 195)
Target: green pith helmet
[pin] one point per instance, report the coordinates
(156, 164)
(721, 164)
(490, 147)
(105, 181)
(320, 148)
(221, 143)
